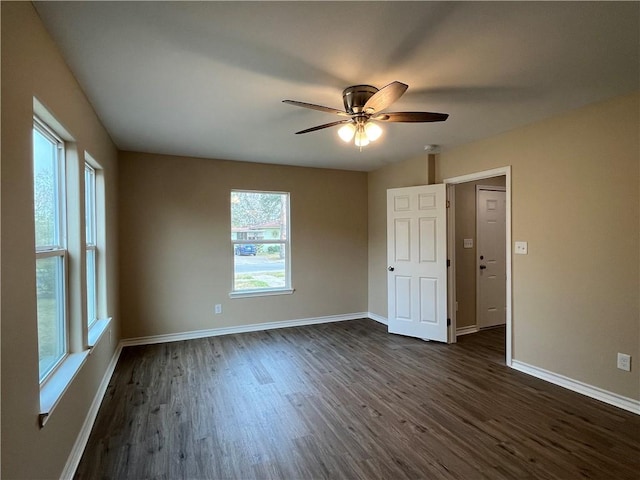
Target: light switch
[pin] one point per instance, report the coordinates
(522, 248)
(467, 243)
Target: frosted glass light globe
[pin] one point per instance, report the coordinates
(373, 131)
(347, 131)
(361, 138)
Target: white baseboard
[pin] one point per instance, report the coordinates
(378, 318)
(83, 437)
(605, 396)
(467, 330)
(255, 327)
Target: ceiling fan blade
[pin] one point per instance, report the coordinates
(385, 97)
(320, 127)
(411, 117)
(316, 107)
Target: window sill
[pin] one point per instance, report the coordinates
(53, 389)
(97, 330)
(261, 293)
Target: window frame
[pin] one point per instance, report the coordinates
(286, 242)
(91, 243)
(80, 340)
(59, 247)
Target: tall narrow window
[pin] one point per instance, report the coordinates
(91, 242)
(51, 252)
(261, 242)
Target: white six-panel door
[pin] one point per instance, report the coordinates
(491, 262)
(417, 261)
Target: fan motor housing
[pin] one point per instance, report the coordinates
(356, 96)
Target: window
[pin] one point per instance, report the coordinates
(90, 243)
(261, 243)
(64, 336)
(50, 243)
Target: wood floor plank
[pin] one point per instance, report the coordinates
(348, 401)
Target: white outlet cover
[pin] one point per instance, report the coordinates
(522, 248)
(624, 362)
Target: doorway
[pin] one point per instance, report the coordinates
(466, 295)
(491, 280)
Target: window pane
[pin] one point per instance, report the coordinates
(259, 266)
(45, 189)
(258, 216)
(90, 204)
(51, 324)
(91, 287)
(259, 235)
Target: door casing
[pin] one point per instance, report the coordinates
(451, 278)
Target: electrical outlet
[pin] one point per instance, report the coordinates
(218, 308)
(522, 248)
(624, 362)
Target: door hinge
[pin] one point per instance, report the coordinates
(448, 322)
(448, 204)
(448, 262)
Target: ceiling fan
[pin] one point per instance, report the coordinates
(364, 105)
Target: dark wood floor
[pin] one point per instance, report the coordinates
(348, 400)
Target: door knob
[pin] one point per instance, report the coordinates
(482, 267)
(391, 269)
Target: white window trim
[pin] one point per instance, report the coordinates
(59, 249)
(59, 379)
(263, 292)
(52, 390)
(51, 252)
(97, 328)
(91, 240)
(87, 249)
(93, 206)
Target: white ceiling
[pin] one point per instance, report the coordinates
(207, 79)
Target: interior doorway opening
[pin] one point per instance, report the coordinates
(469, 289)
(480, 256)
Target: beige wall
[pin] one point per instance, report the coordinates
(31, 66)
(465, 206)
(408, 173)
(575, 200)
(176, 256)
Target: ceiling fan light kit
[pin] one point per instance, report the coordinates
(347, 131)
(364, 104)
(360, 132)
(361, 139)
(372, 130)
